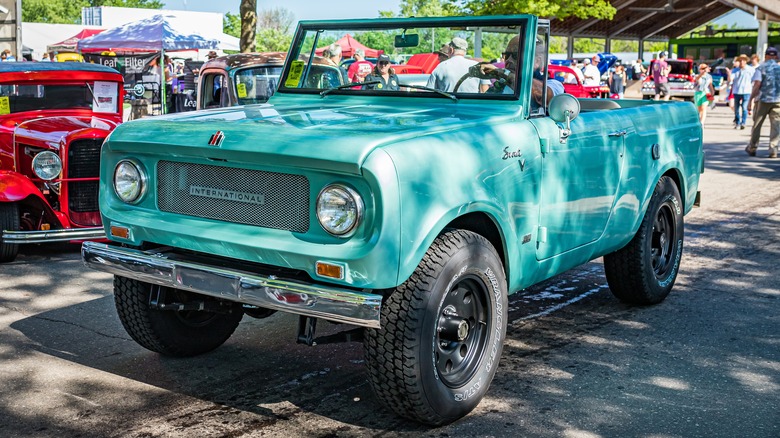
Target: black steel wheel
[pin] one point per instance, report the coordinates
(9, 220)
(644, 271)
(172, 332)
(442, 332)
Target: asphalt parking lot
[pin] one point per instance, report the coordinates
(576, 363)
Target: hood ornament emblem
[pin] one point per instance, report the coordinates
(216, 139)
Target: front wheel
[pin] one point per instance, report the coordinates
(172, 332)
(9, 220)
(643, 272)
(442, 332)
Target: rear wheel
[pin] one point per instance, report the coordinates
(442, 332)
(172, 332)
(9, 220)
(644, 271)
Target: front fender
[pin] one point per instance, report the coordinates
(16, 187)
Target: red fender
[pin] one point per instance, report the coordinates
(15, 187)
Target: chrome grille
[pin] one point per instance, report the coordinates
(268, 199)
(83, 162)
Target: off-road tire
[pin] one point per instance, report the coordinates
(169, 332)
(9, 220)
(407, 358)
(644, 271)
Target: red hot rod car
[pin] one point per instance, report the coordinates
(53, 120)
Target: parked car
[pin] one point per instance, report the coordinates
(409, 214)
(680, 80)
(576, 89)
(53, 120)
(239, 79)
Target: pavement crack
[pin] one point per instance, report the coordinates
(91, 330)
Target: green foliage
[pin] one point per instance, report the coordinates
(425, 8)
(560, 9)
(272, 40)
(69, 11)
(231, 25)
(588, 45)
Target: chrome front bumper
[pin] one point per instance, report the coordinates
(158, 267)
(63, 235)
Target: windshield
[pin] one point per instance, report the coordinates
(15, 98)
(256, 84)
(389, 57)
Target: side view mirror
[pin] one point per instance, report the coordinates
(564, 108)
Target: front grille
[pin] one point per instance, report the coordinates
(83, 162)
(252, 197)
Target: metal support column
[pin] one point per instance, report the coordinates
(569, 47)
(641, 49)
(761, 42)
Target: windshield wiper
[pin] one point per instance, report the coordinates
(422, 87)
(324, 93)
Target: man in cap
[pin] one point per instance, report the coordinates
(766, 87)
(660, 71)
(446, 75)
(212, 54)
(359, 69)
(591, 71)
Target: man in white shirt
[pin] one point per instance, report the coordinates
(591, 72)
(446, 75)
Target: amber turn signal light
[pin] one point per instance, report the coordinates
(330, 270)
(122, 232)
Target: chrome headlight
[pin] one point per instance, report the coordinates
(129, 181)
(648, 85)
(47, 165)
(339, 209)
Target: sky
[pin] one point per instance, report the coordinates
(302, 9)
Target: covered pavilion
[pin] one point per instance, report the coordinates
(662, 20)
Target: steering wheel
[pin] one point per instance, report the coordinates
(475, 71)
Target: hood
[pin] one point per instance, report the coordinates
(336, 133)
(52, 132)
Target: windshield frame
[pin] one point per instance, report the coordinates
(316, 28)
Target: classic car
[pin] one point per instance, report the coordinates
(239, 79)
(53, 120)
(410, 214)
(574, 86)
(680, 80)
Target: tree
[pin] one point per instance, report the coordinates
(69, 11)
(560, 9)
(273, 40)
(280, 19)
(425, 8)
(231, 25)
(248, 11)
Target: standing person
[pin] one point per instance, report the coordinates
(333, 57)
(638, 70)
(766, 82)
(703, 82)
(741, 88)
(617, 81)
(660, 72)
(360, 68)
(45, 57)
(9, 57)
(388, 81)
(573, 78)
(591, 71)
(446, 75)
(445, 53)
(754, 61)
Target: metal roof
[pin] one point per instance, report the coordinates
(659, 19)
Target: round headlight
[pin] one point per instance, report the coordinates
(47, 165)
(129, 181)
(339, 209)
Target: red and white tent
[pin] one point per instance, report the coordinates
(71, 44)
(349, 44)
